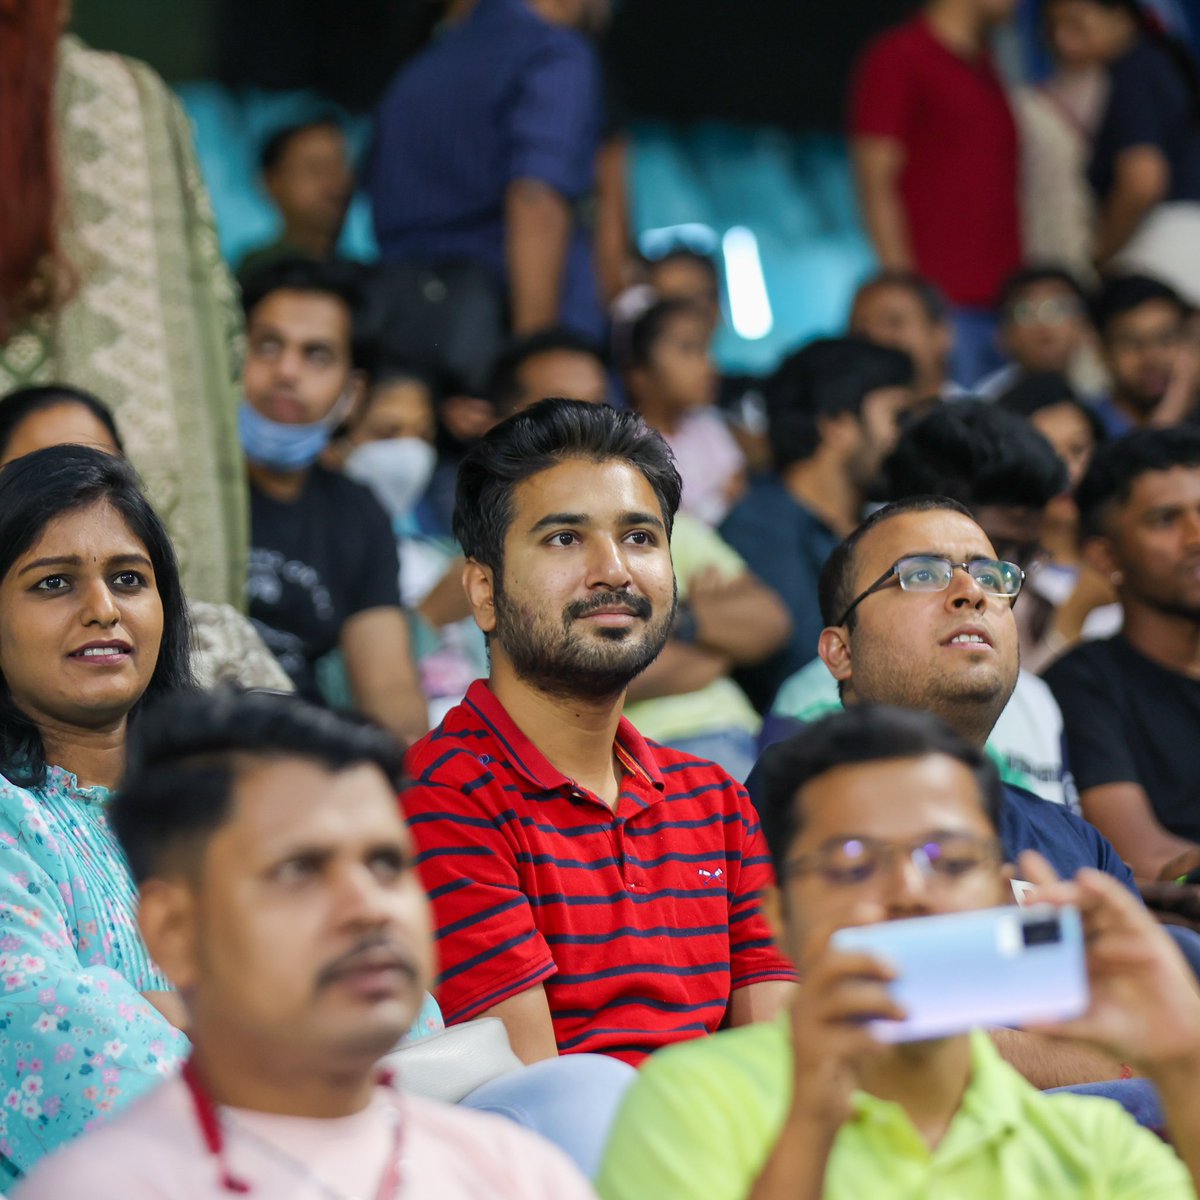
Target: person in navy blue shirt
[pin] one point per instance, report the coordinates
(485, 151)
(945, 641)
(833, 412)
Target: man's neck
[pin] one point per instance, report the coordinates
(575, 735)
(317, 243)
(242, 1073)
(1136, 414)
(96, 757)
(822, 486)
(284, 486)
(957, 26)
(927, 1079)
(1170, 639)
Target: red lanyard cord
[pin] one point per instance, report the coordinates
(214, 1138)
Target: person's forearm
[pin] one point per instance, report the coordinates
(796, 1167)
(1049, 1063)
(887, 226)
(680, 668)
(537, 234)
(1181, 1105)
(746, 625)
(401, 711)
(1123, 213)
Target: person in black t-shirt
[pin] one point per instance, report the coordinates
(1131, 705)
(323, 569)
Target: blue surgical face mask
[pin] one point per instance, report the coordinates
(283, 447)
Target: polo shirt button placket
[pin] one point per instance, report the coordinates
(632, 876)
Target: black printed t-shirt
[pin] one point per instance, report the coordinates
(313, 565)
(1129, 720)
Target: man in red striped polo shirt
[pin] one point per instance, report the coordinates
(595, 891)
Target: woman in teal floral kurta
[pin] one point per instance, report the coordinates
(84, 562)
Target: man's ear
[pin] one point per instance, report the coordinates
(167, 919)
(834, 648)
(1100, 554)
(839, 431)
(480, 585)
(356, 390)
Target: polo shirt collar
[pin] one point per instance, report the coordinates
(527, 760)
(990, 1112)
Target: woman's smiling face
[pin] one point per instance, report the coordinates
(81, 621)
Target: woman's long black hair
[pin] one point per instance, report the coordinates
(34, 490)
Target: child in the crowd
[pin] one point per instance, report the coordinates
(672, 382)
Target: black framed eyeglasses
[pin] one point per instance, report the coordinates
(940, 857)
(933, 573)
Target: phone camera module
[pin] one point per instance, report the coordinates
(1046, 932)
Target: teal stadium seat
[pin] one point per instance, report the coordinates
(794, 193)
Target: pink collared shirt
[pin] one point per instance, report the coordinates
(154, 1151)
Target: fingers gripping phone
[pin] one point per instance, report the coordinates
(958, 971)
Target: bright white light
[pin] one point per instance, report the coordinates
(749, 306)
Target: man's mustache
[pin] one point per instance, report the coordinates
(371, 952)
(639, 606)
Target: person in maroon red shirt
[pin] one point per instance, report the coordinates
(595, 891)
(935, 152)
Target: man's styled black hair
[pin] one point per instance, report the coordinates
(824, 379)
(1116, 467)
(277, 144)
(835, 587)
(541, 437)
(1124, 293)
(24, 402)
(927, 292)
(978, 454)
(34, 490)
(1048, 389)
(1027, 277)
(187, 754)
(504, 387)
(342, 280)
(866, 733)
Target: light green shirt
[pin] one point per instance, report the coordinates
(702, 1118)
(722, 704)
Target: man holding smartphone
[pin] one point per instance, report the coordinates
(880, 814)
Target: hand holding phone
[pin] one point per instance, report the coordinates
(1004, 966)
(840, 991)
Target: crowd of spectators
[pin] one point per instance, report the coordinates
(445, 722)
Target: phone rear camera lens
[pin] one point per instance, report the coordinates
(1042, 933)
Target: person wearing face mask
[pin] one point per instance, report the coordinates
(323, 572)
(388, 446)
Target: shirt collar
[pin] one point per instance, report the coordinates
(990, 1110)
(526, 759)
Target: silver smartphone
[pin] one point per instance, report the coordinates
(996, 966)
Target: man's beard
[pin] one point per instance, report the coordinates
(560, 662)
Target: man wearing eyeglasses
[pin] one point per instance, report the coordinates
(1044, 327)
(919, 614)
(879, 814)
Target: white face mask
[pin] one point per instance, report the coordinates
(397, 470)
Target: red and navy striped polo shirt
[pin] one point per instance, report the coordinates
(640, 921)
